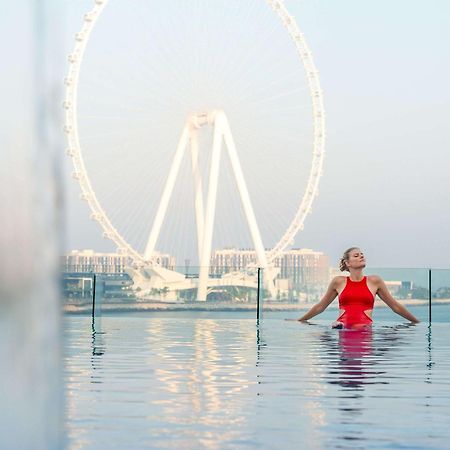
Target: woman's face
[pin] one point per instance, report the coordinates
(356, 259)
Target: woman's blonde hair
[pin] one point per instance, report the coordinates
(342, 262)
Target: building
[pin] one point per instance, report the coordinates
(231, 259)
(91, 261)
(165, 260)
(305, 269)
(335, 272)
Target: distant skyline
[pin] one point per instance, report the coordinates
(384, 69)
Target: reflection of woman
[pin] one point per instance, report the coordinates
(354, 366)
(356, 294)
(359, 352)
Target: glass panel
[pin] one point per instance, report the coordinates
(292, 291)
(440, 291)
(159, 288)
(408, 286)
(298, 288)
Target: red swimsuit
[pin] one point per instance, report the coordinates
(355, 299)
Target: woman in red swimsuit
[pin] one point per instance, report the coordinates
(356, 295)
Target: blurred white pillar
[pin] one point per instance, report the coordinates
(31, 406)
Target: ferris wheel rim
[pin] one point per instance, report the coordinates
(74, 150)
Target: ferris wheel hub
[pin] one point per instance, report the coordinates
(200, 119)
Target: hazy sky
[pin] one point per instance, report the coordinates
(384, 69)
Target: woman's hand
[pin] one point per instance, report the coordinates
(296, 320)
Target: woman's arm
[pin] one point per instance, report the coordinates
(329, 296)
(387, 298)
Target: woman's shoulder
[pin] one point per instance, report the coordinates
(375, 279)
(338, 280)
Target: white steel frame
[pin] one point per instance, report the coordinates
(88, 194)
(205, 219)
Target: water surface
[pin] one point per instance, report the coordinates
(185, 381)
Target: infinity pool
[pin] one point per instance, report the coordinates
(221, 382)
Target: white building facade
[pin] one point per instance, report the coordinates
(301, 268)
(91, 261)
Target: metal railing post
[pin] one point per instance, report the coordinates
(429, 296)
(93, 297)
(258, 293)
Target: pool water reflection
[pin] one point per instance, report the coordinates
(222, 382)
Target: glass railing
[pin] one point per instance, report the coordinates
(410, 286)
(440, 295)
(159, 288)
(236, 289)
(425, 292)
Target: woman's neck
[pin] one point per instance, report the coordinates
(356, 274)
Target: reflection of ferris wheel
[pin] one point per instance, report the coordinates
(81, 173)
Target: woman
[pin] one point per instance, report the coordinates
(356, 294)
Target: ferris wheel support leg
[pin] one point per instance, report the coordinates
(198, 194)
(167, 193)
(245, 198)
(248, 209)
(205, 257)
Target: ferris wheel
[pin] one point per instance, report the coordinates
(301, 58)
